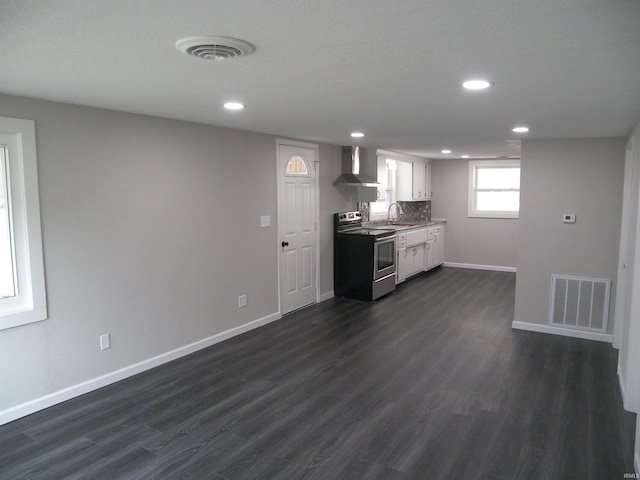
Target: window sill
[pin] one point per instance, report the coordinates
(512, 216)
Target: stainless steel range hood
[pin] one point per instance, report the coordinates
(351, 176)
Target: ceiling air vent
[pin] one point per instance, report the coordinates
(214, 47)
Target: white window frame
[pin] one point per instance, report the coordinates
(473, 169)
(390, 190)
(29, 304)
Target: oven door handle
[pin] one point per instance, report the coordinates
(385, 239)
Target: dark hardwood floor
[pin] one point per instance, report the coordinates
(430, 382)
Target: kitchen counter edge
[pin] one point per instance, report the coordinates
(404, 228)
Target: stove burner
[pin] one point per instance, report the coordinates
(351, 223)
(374, 232)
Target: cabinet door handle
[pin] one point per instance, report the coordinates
(284, 244)
(415, 251)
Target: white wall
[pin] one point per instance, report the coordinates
(585, 177)
(150, 232)
(581, 176)
(470, 241)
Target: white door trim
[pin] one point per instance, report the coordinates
(316, 166)
(625, 268)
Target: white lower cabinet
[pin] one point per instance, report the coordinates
(429, 264)
(412, 251)
(401, 265)
(435, 247)
(419, 250)
(411, 260)
(419, 257)
(438, 247)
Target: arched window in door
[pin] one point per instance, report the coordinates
(297, 166)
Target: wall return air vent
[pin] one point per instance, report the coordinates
(214, 47)
(579, 303)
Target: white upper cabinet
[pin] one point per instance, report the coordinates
(414, 180)
(418, 171)
(427, 179)
(404, 181)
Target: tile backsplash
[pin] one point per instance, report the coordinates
(418, 211)
(363, 207)
(413, 211)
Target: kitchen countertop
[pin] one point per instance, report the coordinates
(403, 225)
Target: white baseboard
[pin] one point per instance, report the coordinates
(473, 266)
(565, 332)
(623, 391)
(623, 388)
(326, 296)
(60, 396)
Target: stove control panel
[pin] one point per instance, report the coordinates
(349, 217)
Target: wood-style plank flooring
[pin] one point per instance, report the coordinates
(430, 382)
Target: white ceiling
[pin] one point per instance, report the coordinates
(324, 68)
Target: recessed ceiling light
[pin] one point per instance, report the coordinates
(520, 129)
(477, 84)
(234, 106)
(357, 134)
(446, 150)
(464, 156)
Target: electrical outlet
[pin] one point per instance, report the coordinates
(242, 301)
(265, 221)
(105, 341)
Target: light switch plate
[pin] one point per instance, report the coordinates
(265, 221)
(569, 217)
(105, 341)
(242, 301)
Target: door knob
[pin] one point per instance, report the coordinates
(284, 244)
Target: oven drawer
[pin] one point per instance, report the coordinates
(383, 286)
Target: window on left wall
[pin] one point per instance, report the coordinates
(387, 189)
(22, 285)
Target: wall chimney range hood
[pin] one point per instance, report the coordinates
(351, 176)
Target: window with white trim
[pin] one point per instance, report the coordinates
(297, 166)
(22, 288)
(494, 188)
(386, 191)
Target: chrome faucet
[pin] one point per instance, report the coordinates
(398, 212)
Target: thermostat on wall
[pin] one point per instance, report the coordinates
(569, 217)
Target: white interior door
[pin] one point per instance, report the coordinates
(297, 221)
